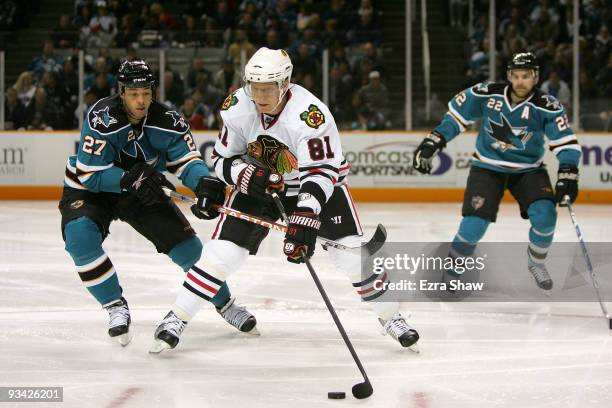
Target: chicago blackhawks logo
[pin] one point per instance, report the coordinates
(313, 116)
(230, 101)
(273, 154)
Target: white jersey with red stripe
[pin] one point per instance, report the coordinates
(301, 143)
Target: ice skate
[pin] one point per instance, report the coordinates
(119, 321)
(397, 328)
(239, 317)
(167, 333)
(540, 273)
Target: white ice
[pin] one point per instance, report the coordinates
(53, 333)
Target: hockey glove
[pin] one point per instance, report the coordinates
(567, 185)
(301, 234)
(259, 182)
(426, 151)
(145, 183)
(210, 191)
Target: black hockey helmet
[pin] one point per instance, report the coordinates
(524, 60)
(135, 74)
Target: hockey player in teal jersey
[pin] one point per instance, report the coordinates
(509, 154)
(126, 141)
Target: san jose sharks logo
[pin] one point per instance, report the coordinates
(178, 118)
(552, 102)
(506, 136)
(102, 117)
(272, 153)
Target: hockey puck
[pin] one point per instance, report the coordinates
(336, 395)
(610, 323)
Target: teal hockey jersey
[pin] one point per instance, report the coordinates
(110, 145)
(511, 139)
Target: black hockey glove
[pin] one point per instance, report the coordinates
(567, 185)
(301, 234)
(146, 184)
(210, 191)
(259, 182)
(426, 151)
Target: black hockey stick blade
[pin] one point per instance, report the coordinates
(377, 241)
(362, 390)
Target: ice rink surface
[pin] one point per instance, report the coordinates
(53, 333)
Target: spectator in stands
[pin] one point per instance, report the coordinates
(375, 63)
(588, 89)
(65, 35)
(362, 72)
(478, 66)
(558, 88)
(165, 18)
(542, 31)
(304, 64)
(307, 18)
(101, 68)
(227, 79)
(173, 87)
(25, 88)
(604, 78)
(515, 20)
(224, 17)
(101, 87)
(42, 114)
(331, 34)
(208, 94)
(340, 88)
(241, 43)
(357, 113)
(204, 110)
(286, 13)
(47, 61)
(197, 67)
(69, 77)
(365, 30)
(544, 7)
(88, 101)
(338, 10)
(338, 54)
(102, 27)
(56, 95)
(602, 45)
(375, 99)
(118, 8)
(562, 62)
(195, 119)
(189, 36)
(14, 111)
(127, 35)
(212, 36)
(82, 18)
(274, 39)
(8, 12)
(456, 12)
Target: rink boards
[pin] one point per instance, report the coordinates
(32, 165)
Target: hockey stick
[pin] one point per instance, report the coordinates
(361, 390)
(372, 246)
(594, 280)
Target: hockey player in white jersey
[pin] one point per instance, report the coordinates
(274, 128)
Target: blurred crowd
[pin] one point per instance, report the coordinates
(45, 94)
(546, 28)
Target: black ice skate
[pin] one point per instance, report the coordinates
(397, 328)
(239, 317)
(167, 333)
(539, 272)
(119, 321)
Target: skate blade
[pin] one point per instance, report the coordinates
(124, 339)
(159, 346)
(414, 348)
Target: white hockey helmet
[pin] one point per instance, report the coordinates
(268, 65)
